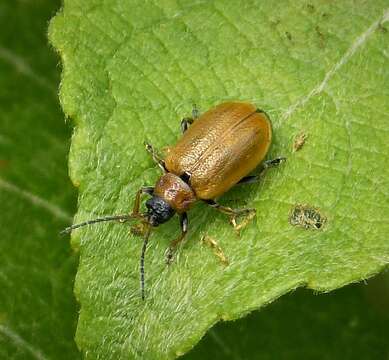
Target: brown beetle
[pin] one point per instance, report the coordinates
(217, 151)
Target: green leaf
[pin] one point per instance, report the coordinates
(349, 323)
(37, 309)
(133, 69)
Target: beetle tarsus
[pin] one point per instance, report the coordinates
(185, 122)
(274, 162)
(250, 215)
(169, 255)
(195, 112)
(233, 214)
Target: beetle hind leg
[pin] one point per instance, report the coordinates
(233, 214)
(265, 166)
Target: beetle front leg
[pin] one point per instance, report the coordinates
(140, 229)
(155, 156)
(233, 214)
(143, 190)
(265, 166)
(173, 245)
(185, 122)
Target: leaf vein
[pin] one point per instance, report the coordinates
(21, 343)
(24, 68)
(35, 200)
(359, 41)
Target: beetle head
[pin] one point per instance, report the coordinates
(158, 211)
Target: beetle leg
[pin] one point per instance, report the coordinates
(143, 190)
(155, 156)
(266, 165)
(273, 162)
(173, 245)
(195, 112)
(263, 112)
(234, 213)
(140, 228)
(185, 122)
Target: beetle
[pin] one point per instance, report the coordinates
(216, 151)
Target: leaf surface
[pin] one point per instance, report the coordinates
(132, 70)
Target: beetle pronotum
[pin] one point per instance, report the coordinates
(216, 151)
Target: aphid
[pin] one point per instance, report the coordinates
(216, 151)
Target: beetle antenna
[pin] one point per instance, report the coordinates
(124, 217)
(142, 262)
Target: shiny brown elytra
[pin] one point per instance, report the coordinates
(216, 151)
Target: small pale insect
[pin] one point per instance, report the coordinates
(217, 151)
(299, 141)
